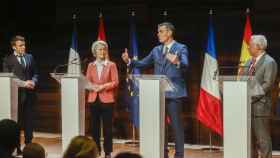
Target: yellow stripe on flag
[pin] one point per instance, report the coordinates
(244, 56)
(244, 53)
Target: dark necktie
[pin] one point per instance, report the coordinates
(164, 53)
(22, 61)
(252, 67)
(165, 50)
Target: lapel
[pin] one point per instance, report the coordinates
(16, 62)
(94, 69)
(260, 62)
(104, 70)
(160, 53)
(172, 50)
(27, 61)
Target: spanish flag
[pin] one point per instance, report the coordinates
(246, 38)
(101, 29)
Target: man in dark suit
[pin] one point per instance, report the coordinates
(170, 58)
(23, 66)
(264, 68)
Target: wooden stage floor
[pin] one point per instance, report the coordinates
(52, 144)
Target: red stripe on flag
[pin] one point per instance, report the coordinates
(209, 111)
(101, 29)
(248, 30)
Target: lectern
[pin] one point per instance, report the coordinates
(9, 95)
(237, 93)
(152, 113)
(72, 105)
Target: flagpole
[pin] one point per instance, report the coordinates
(133, 142)
(101, 121)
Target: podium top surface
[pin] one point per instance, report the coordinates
(235, 78)
(168, 85)
(65, 75)
(148, 77)
(7, 74)
(255, 89)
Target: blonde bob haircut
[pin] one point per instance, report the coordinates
(97, 44)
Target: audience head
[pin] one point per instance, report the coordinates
(128, 155)
(81, 147)
(34, 150)
(9, 135)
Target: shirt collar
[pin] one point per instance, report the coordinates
(104, 62)
(170, 44)
(18, 55)
(259, 57)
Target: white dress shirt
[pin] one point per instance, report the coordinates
(100, 64)
(18, 58)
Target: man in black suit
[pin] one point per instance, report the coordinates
(23, 66)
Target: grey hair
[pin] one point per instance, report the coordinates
(169, 26)
(98, 43)
(259, 40)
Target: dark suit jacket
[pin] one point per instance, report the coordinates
(11, 64)
(162, 66)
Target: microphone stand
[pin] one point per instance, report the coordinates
(63, 65)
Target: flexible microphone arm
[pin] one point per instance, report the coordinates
(226, 67)
(63, 65)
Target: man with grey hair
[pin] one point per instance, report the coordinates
(170, 58)
(264, 68)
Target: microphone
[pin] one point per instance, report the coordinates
(216, 72)
(63, 65)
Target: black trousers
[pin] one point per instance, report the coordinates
(102, 112)
(26, 100)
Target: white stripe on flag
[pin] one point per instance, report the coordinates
(74, 64)
(208, 82)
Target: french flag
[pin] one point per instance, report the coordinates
(209, 108)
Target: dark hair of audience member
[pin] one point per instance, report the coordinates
(9, 136)
(128, 155)
(34, 150)
(81, 147)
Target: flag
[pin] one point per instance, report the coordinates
(133, 85)
(245, 42)
(74, 64)
(209, 108)
(101, 29)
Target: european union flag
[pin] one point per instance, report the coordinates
(133, 85)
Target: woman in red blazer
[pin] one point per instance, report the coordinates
(103, 74)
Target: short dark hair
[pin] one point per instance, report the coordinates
(9, 135)
(33, 150)
(169, 26)
(128, 155)
(17, 38)
(81, 147)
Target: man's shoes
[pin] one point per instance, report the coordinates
(108, 156)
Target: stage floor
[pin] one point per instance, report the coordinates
(52, 144)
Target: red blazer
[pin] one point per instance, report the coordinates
(109, 78)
